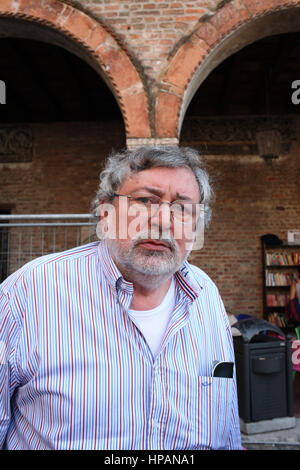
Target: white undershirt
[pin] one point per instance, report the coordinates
(153, 323)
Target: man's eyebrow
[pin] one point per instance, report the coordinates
(158, 192)
(183, 198)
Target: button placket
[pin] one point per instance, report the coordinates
(154, 420)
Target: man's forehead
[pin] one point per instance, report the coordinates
(180, 180)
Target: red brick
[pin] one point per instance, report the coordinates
(111, 7)
(226, 19)
(173, 12)
(259, 6)
(117, 64)
(167, 109)
(111, 14)
(186, 19)
(208, 33)
(48, 11)
(195, 11)
(79, 24)
(97, 37)
(6, 6)
(136, 115)
(187, 59)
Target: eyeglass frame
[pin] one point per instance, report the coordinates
(170, 204)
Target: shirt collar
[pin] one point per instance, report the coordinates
(110, 270)
(187, 280)
(185, 275)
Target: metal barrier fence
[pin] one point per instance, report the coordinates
(25, 237)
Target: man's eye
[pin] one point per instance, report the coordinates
(143, 200)
(178, 207)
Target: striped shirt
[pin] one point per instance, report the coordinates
(76, 372)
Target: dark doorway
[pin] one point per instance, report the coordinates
(46, 83)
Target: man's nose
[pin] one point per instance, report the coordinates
(161, 215)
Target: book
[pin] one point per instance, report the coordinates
(282, 259)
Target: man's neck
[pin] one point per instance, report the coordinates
(148, 291)
(145, 298)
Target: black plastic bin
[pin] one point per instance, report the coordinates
(264, 371)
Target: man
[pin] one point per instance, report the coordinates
(112, 345)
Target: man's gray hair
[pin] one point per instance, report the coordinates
(121, 165)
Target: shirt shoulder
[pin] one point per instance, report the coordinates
(37, 264)
(203, 279)
(213, 293)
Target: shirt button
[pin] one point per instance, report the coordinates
(155, 424)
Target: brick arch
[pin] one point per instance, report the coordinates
(231, 28)
(97, 46)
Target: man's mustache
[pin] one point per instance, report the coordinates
(169, 241)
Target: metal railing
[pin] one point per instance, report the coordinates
(25, 237)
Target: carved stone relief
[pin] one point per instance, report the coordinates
(16, 144)
(234, 135)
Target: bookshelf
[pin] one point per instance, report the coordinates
(280, 266)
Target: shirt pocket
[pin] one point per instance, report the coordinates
(214, 410)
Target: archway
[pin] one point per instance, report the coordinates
(214, 40)
(59, 123)
(247, 91)
(63, 25)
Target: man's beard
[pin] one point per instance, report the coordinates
(133, 257)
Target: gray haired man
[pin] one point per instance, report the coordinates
(113, 345)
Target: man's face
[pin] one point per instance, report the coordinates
(150, 239)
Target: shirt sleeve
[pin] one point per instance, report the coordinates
(8, 336)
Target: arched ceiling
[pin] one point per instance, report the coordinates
(45, 82)
(255, 80)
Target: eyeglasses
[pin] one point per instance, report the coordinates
(182, 211)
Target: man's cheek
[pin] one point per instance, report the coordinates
(106, 227)
(195, 234)
(137, 222)
(122, 227)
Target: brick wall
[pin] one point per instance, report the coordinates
(252, 199)
(151, 28)
(63, 175)
(154, 54)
